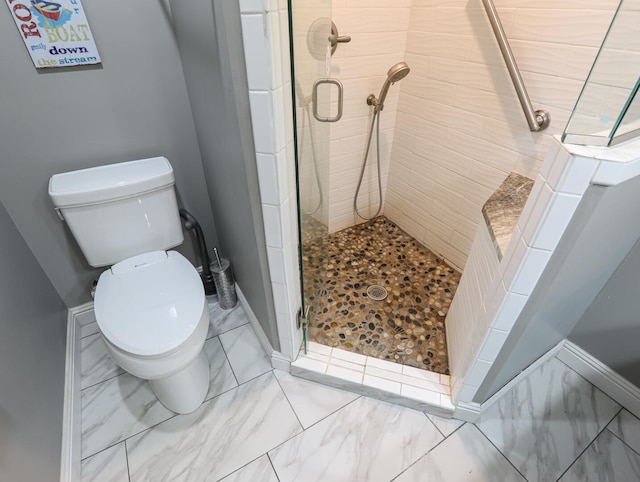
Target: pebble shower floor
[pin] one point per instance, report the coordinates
(406, 327)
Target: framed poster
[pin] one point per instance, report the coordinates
(56, 34)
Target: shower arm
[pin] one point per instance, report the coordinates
(538, 120)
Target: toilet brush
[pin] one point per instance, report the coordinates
(223, 278)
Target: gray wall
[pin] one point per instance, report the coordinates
(610, 328)
(210, 39)
(603, 230)
(133, 106)
(32, 363)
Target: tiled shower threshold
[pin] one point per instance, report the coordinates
(384, 380)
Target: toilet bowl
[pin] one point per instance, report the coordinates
(150, 303)
(153, 316)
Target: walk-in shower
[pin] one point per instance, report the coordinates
(452, 132)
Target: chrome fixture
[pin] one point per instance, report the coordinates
(335, 38)
(398, 72)
(538, 120)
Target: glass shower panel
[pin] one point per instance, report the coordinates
(311, 53)
(607, 95)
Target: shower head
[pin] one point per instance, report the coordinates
(397, 72)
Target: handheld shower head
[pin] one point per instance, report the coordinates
(397, 72)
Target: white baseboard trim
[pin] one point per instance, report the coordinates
(618, 388)
(71, 418)
(471, 411)
(278, 360)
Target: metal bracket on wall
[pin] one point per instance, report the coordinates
(302, 320)
(314, 96)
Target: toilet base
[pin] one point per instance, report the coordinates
(184, 392)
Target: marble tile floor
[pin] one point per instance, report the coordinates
(260, 424)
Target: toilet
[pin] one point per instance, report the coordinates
(150, 304)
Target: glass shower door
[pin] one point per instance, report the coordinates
(310, 30)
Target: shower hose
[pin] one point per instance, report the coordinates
(375, 121)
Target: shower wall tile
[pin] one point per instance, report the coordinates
(266, 42)
(270, 190)
(460, 60)
(257, 53)
(586, 26)
(263, 128)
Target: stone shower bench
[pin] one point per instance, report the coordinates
(502, 210)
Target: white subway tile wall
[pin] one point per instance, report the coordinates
(462, 126)
(266, 45)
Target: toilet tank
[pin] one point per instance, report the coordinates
(119, 210)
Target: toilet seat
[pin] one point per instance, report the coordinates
(150, 304)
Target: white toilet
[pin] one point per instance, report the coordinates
(150, 305)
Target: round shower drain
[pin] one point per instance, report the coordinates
(377, 292)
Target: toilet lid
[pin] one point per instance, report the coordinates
(149, 304)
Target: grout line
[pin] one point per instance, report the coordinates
(273, 466)
(103, 381)
(126, 455)
(500, 452)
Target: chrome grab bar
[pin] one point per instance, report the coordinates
(538, 120)
(314, 101)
